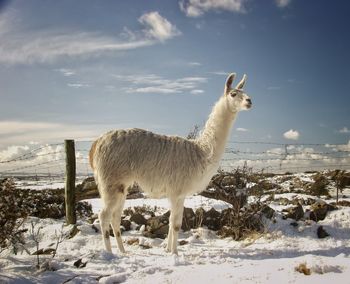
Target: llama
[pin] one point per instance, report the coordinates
(163, 166)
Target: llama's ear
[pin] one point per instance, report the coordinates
(229, 81)
(241, 84)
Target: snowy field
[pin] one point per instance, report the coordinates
(271, 257)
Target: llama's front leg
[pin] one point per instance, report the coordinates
(170, 239)
(177, 208)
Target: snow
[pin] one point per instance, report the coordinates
(163, 205)
(267, 258)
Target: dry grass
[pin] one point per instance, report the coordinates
(302, 268)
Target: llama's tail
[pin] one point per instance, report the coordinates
(92, 154)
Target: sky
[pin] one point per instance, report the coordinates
(76, 69)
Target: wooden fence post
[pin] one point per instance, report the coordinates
(70, 182)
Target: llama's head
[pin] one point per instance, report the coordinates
(237, 99)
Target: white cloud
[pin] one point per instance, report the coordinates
(158, 27)
(154, 90)
(241, 129)
(13, 151)
(295, 158)
(291, 134)
(344, 130)
(7, 20)
(66, 72)
(219, 73)
(78, 85)
(18, 127)
(282, 3)
(20, 132)
(48, 47)
(196, 8)
(158, 85)
(339, 147)
(197, 92)
(194, 64)
(32, 157)
(17, 46)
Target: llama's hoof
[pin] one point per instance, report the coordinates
(171, 252)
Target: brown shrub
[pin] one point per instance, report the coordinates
(319, 187)
(12, 214)
(302, 268)
(16, 204)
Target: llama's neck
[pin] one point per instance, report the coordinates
(217, 130)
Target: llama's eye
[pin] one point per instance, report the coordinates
(233, 95)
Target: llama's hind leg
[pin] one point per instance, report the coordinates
(176, 213)
(105, 219)
(116, 216)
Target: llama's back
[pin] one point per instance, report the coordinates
(156, 162)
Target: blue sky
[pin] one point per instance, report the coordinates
(75, 69)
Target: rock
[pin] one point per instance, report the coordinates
(157, 222)
(264, 185)
(310, 201)
(138, 219)
(162, 232)
(283, 201)
(145, 246)
(88, 184)
(167, 214)
(188, 219)
(294, 224)
(344, 203)
(332, 207)
(157, 227)
(212, 219)
(295, 212)
(126, 224)
(183, 242)
(133, 241)
(319, 210)
(92, 218)
(298, 183)
(267, 211)
(45, 251)
(79, 263)
(322, 233)
(94, 228)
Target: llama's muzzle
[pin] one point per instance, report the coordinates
(249, 103)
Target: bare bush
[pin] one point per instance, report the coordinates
(241, 223)
(12, 216)
(193, 134)
(36, 236)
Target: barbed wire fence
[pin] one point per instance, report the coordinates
(46, 167)
(47, 162)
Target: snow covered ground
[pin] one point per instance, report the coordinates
(271, 257)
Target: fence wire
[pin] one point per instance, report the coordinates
(49, 160)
